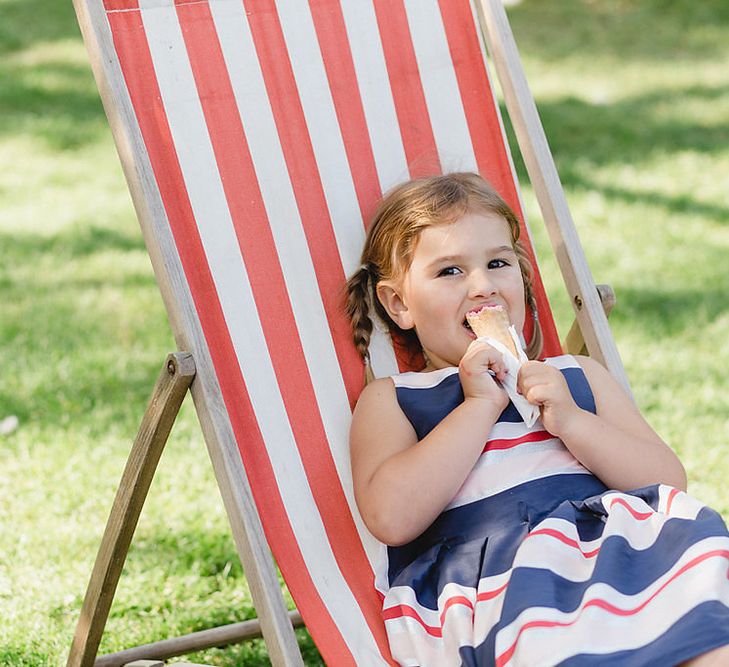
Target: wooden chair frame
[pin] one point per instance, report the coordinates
(590, 332)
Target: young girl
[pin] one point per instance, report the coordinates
(508, 544)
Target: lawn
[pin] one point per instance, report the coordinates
(634, 96)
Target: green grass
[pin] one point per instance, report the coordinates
(635, 102)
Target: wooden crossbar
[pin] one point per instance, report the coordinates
(195, 641)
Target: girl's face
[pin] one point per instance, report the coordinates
(456, 268)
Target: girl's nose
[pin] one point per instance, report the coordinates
(480, 285)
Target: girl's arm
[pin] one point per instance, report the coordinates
(616, 444)
(401, 488)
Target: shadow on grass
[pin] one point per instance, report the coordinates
(670, 314)
(673, 204)
(41, 95)
(55, 102)
(29, 22)
(628, 132)
(631, 130)
(629, 30)
(80, 240)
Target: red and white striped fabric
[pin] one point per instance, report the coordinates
(272, 128)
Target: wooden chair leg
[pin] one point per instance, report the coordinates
(164, 405)
(574, 342)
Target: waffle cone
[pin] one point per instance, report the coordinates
(493, 322)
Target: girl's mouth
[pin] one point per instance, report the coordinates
(467, 327)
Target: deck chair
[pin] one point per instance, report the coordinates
(256, 137)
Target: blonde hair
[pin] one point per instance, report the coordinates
(401, 216)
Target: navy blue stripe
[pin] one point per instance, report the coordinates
(580, 388)
(426, 407)
(480, 539)
(704, 628)
(465, 556)
(617, 564)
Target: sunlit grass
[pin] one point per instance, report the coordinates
(634, 99)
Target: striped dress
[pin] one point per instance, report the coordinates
(535, 562)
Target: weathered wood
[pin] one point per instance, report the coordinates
(222, 447)
(548, 189)
(574, 342)
(195, 641)
(169, 392)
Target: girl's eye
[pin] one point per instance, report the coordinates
(498, 263)
(449, 271)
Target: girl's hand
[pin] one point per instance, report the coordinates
(545, 386)
(477, 382)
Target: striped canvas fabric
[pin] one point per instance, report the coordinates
(272, 129)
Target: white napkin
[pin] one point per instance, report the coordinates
(528, 412)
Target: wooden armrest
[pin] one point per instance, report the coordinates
(574, 343)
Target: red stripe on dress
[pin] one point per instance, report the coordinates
(267, 282)
(457, 600)
(490, 595)
(608, 606)
(508, 443)
(136, 63)
(301, 163)
(404, 611)
(640, 516)
(566, 540)
(407, 89)
(671, 496)
(490, 146)
(331, 33)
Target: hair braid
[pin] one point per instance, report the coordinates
(534, 346)
(357, 308)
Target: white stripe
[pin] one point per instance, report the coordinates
(336, 178)
(440, 86)
(496, 456)
(207, 198)
(418, 645)
(384, 134)
(563, 361)
(488, 612)
(324, 131)
(412, 646)
(682, 505)
(487, 480)
(374, 88)
(285, 222)
(382, 356)
(514, 430)
(423, 380)
(470, 495)
(462, 625)
(703, 582)
(571, 563)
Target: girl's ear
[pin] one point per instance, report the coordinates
(393, 303)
